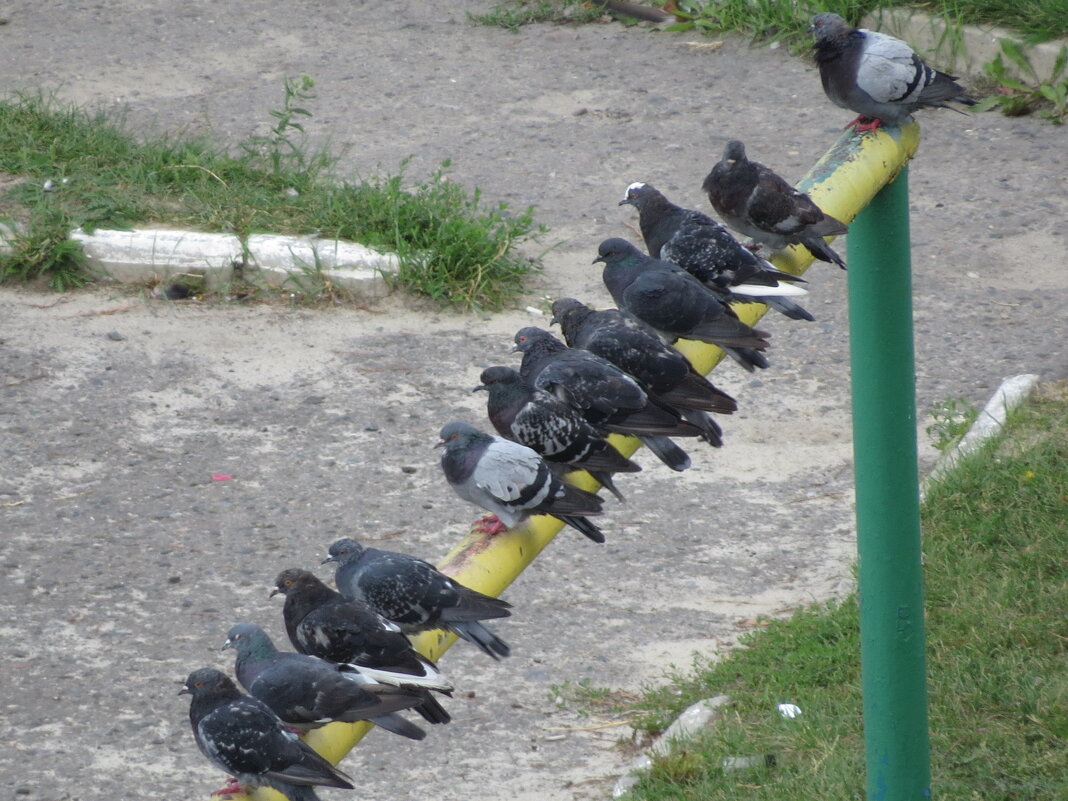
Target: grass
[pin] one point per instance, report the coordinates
(772, 20)
(996, 592)
(67, 168)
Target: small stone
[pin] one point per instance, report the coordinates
(408, 469)
(115, 336)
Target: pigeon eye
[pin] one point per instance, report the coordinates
(454, 436)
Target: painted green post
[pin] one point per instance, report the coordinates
(887, 496)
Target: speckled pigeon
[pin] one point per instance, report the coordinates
(554, 429)
(607, 397)
(675, 304)
(511, 481)
(708, 252)
(757, 202)
(617, 337)
(243, 737)
(416, 595)
(307, 692)
(877, 75)
(322, 622)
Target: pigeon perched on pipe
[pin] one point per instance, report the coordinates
(708, 252)
(877, 75)
(511, 481)
(242, 736)
(757, 202)
(416, 595)
(675, 304)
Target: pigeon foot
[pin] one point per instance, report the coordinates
(233, 788)
(490, 524)
(864, 124)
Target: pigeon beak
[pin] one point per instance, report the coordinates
(328, 559)
(228, 644)
(515, 349)
(274, 592)
(185, 690)
(476, 389)
(624, 201)
(598, 259)
(441, 443)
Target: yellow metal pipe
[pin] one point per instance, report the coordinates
(842, 183)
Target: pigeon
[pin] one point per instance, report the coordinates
(242, 736)
(511, 481)
(706, 250)
(307, 692)
(607, 397)
(675, 304)
(620, 339)
(416, 595)
(321, 622)
(549, 426)
(758, 203)
(878, 76)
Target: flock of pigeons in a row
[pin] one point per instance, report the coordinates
(617, 372)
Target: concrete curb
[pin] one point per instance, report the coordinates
(698, 716)
(959, 48)
(989, 422)
(160, 254)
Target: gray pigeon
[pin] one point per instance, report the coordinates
(708, 252)
(322, 622)
(243, 737)
(549, 426)
(511, 481)
(877, 75)
(606, 396)
(307, 692)
(758, 203)
(675, 304)
(617, 337)
(416, 595)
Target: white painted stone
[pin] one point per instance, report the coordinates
(1012, 392)
(158, 254)
(290, 260)
(695, 718)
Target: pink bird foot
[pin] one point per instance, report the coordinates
(864, 124)
(233, 788)
(490, 524)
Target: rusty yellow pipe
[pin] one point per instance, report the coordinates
(842, 183)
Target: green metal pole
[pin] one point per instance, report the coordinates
(888, 502)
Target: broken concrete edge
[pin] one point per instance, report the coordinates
(693, 719)
(960, 48)
(988, 423)
(148, 255)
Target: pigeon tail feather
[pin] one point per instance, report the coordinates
(668, 452)
(399, 725)
(477, 634)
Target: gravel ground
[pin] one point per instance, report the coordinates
(126, 563)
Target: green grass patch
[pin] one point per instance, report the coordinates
(996, 579)
(771, 20)
(66, 167)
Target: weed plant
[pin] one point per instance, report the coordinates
(997, 636)
(69, 168)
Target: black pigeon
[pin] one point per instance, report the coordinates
(416, 595)
(878, 76)
(708, 252)
(757, 202)
(322, 622)
(243, 737)
(511, 481)
(620, 339)
(549, 426)
(674, 303)
(307, 692)
(607, 397)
